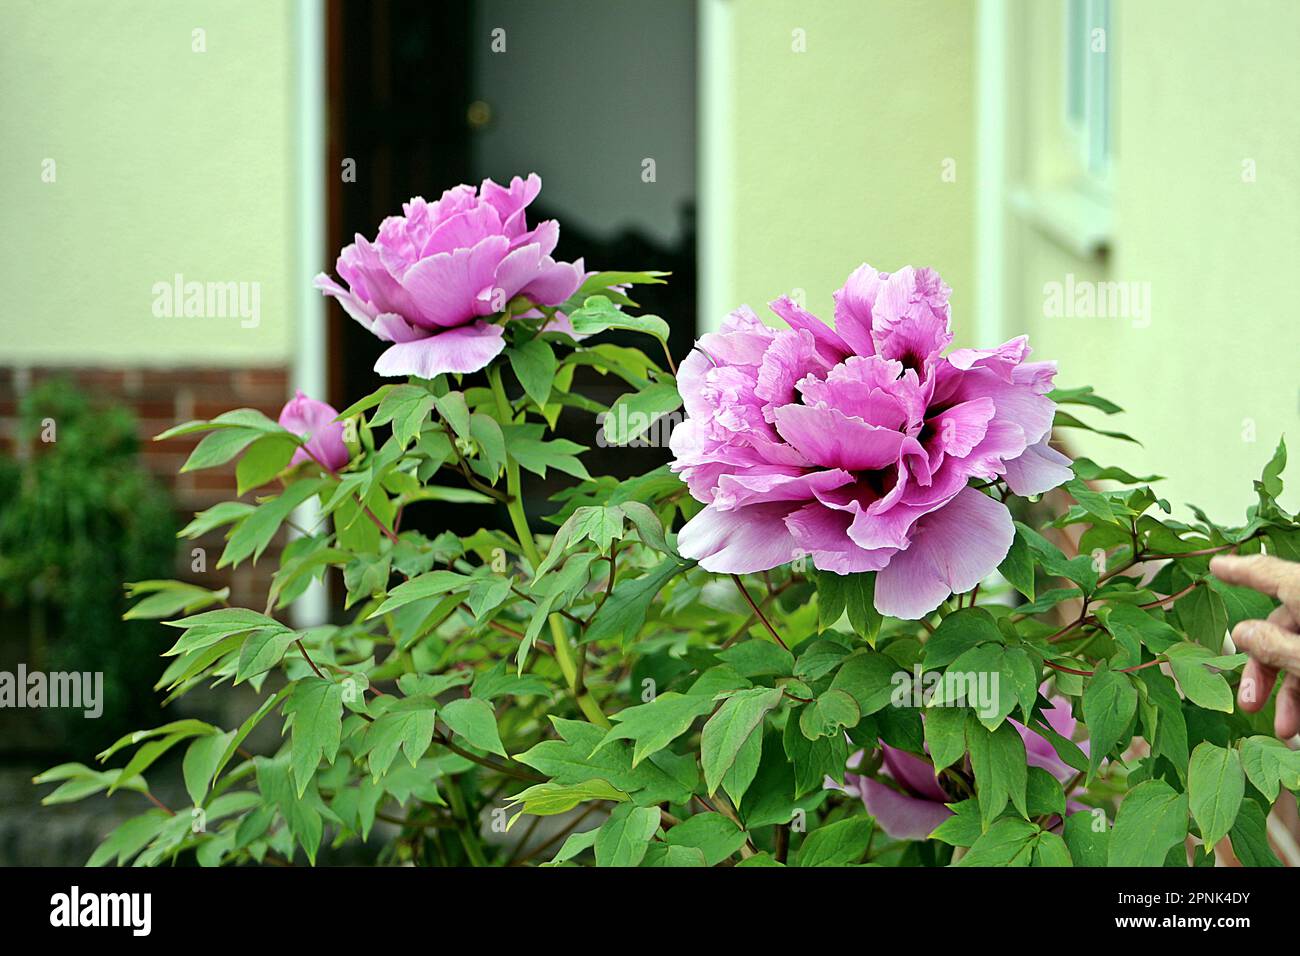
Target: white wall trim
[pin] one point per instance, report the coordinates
(991, 104)
(716, 164)
(308, 372)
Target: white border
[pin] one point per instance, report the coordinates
(716, 166)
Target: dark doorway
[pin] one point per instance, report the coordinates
(596, 96)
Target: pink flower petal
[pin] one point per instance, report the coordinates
(831, 439)
(901, 816)
(952, 550)
(447, 286)
(1039, 469)
(742, 541)
(466, 348)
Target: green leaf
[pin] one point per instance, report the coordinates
(727, 731)
(570, 760)
(264, 459)
(316, 710)
(1242, 604)
(819, 658)
(598, 313)
(869, 678)
(963, 828)
(549, 799)
(1215, 787)
(1270, 764)
(254, 533)
(526, 446)
(854, 594)
(1204, 616)
(623, 614)
(1066, 420)
(188, 727)
(647, 525)
(1250, 836)
(407, 727)
(575, 844)
(625, 836)
(534, 365)
(200, 764)
(1201, 686)
(973, 677)
(1088, 836)
(1109, 705)
(741, 773)
(1083, 396)
(1089, 470)
(407, 407)
(945, 735)
(1270, 482)
(166, 598)
(600, 525)
(1043, 794)
(486, 431)
(1151, 821)
(1132, 626)
(836, 844)
(831, 713)
(1001, 768)
(425, 585)
(814, 760)
(711, 833)
(219, 515)
(1051, 850)
(758, 658)
(1018, 567)
(633, 413)
(655, 725)
(474, 719)
(1008, 842)
(262, 649)
(957, 633)
(220, 447)
(455, 412)
(129, 838)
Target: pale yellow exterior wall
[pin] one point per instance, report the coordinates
(166, 161)
(1213, 380)
(839, 151)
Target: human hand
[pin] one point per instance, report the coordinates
(1273, 643)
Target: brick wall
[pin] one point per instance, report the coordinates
(160, 399)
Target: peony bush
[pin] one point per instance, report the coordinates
(867, 615)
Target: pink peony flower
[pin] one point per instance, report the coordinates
(307, 417)
(857, 445)
(912, 808)
(433, 273)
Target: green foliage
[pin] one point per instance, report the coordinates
(666, 716)
(78, 518)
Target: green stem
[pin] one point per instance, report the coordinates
(515, 507)
(468, 836)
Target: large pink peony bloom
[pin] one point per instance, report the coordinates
(314, 420)
(857, 445)
(433, 273)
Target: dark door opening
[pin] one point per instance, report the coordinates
(596, 96)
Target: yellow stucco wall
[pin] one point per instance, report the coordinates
(839, 151)
(1214, 378)
(167, 161)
